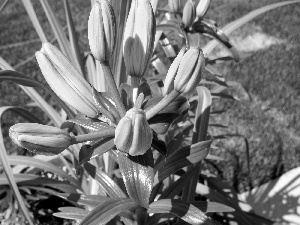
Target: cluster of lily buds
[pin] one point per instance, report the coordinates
(133, 134)
(102, 30)
(190, 11)
(40, 139)
(65, 80)
(138, 37)
(185, 72)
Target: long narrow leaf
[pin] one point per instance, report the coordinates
(11, 179)
(106, 211)
(110, 187)
(229, 28)
(137, 173)
(183, 210)
(49, 110)
(32, 15)
(29, 161)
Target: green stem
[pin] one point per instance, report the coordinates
(110, 132)
(113, 88)
(162, 104)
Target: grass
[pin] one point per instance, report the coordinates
(270, 74)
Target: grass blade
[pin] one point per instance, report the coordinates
(10, 177)
(32, 15)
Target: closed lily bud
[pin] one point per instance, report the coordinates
(169, 81)
(202, 8)
(40, 139)
(190, 70)
(133, 134)
(174, 6)
(139, 36)
(102, 30)
(65, 80)
(188, 14)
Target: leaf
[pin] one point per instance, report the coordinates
(159, 145)
(212, 207)
(229, 28)
(185, 156)
(72, 213)
(35, 22)
(183, 210)
(110, 187)
(106, 211)
(82, 199)
(9, 177)
(21, 79)
(88, 124)
(29, 161)
(72, 36)
(175, 188)
(137, 173)
(95, 149)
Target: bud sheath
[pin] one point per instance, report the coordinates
(40, 139)
(102, 30)
(139, 36)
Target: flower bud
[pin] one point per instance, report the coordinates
(190, 70)
(202, 8)
(139, 36)
(188, 14)
(40, 139)
(102, 30)
(169, 81)
(65, 80)
(133, 134)
(174, 6)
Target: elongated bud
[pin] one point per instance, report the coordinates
(174, 5)
(65, 80)
(102, 30)
(169, 81)
(133, 134)
(188, 14)
(139, 36)
(202, 8)
(40, 139)
(190, 70)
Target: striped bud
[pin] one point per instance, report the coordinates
(40, 139)
(169, 81)
(202, 8)
(139, 36)
(190, 70)
(102, 30)
(133, 134)
(65, 80)
(188, 14)
(175, 6)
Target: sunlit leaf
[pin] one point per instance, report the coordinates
(104, 212)
(183, 210)
(137, 173)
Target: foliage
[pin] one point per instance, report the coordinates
(164, 184)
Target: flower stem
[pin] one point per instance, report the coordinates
(135, 81)
(110, 132)
(162, 104)
(113, 88)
